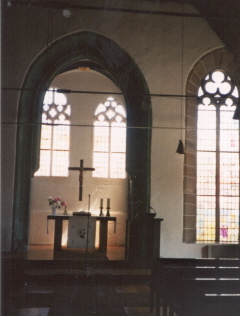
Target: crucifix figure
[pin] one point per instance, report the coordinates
(81, 169)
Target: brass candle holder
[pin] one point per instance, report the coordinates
(108, 207)
(101, 211)
(108, 212)
(101, 207)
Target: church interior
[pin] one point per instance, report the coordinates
(120, 182)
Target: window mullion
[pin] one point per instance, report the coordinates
(217, 229)
(51, 151)
(239, 187)
(109, 149)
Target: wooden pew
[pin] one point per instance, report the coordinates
(195, 287)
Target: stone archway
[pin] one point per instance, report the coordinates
(61, 54)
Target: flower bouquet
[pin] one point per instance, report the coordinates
(56, 203)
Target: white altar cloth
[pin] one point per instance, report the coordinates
(81, 232)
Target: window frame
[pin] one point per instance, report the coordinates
(109, 125)
(216, 59)
(53, 121)
(216, 101)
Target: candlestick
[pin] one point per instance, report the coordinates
(108, 207)
(108, 212)
(65, 209)
(89, 196)
(101, 207)
(101, 212)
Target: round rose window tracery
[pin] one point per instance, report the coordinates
(217, 88)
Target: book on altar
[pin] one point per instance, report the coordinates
(83, 213)
(81, 232)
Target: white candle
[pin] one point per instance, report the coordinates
(101, 203)
(108, 202)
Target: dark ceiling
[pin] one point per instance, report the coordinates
(224, 18)
(222, 15)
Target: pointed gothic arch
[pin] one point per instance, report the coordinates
(82, 47)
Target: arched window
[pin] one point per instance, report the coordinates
(217, 160)
(55, 132)
(109, 151)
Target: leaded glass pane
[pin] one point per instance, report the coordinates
(109, 138)
(44, 167)
(100, 163)
(206, 132)
(61, 137)
(229, 130)
(117, 166)
(46, 137)
(206, 173)
(118, 137)
(60, 163)
(229, 219)
(229, 174)
(101, 137)
(206, 218)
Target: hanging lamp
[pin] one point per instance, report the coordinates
(180, 148)
(236, 115)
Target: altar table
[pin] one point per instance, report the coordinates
(103, 230)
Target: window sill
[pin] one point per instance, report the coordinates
(210, 243)
(220, 243)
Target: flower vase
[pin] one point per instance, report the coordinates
(54, 210)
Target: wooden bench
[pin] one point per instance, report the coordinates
(195, 287)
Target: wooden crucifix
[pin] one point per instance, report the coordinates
(81, 169)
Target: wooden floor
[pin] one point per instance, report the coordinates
(104, 291)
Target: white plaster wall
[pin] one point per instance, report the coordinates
(83, 107)
(155, 43)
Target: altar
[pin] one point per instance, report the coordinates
(103, 229)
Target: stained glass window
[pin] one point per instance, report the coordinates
(109, 140)
(217, 160)
(55, 132)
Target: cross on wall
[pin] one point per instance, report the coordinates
(81, 169)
